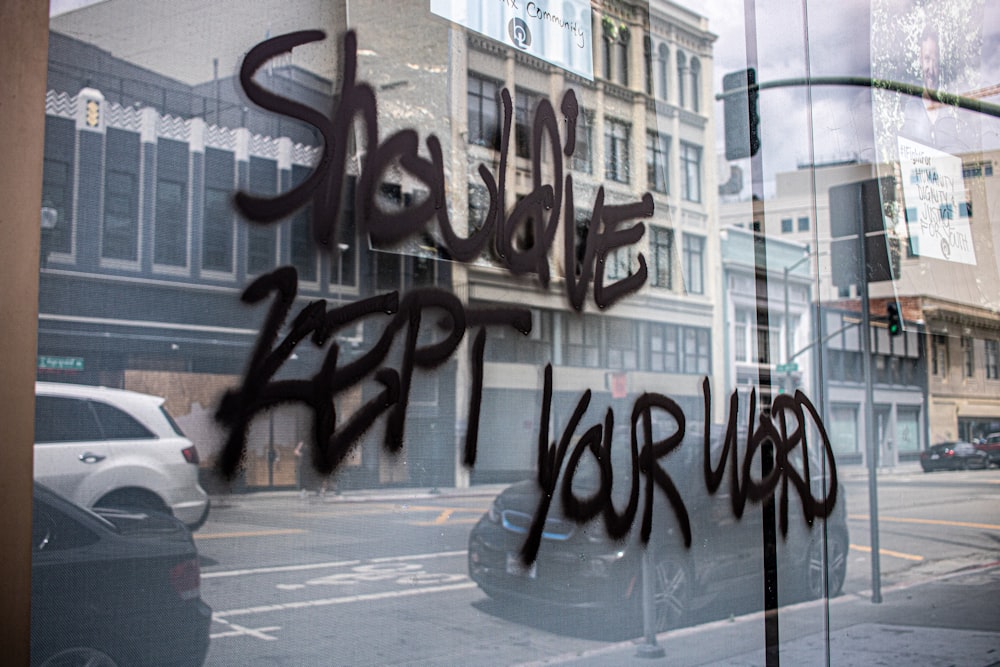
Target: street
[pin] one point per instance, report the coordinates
(348, 580)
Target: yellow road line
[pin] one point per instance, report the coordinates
(928, 522)
(887, 552)
(249, 533)
(443, 517)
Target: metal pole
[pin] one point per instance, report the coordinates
(871, 444)
(649, 648)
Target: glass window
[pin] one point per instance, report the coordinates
(262, 239)
(939, 355)
(690, 172)
(57, 185)
(120, 235)
(695, 85)
(662, 249)
(803, 224)
(219, 221)
(116, 425)
(681, 78)
(657, 153)
(697, 355)
(582, 159)
(59, 419)
(616, 150)
(969, 356)
(694, 264)
(484, 111)
(786, 225)
(524, 113)
(623, 344)
(170, 239)
(664, 350)
(992, 358)
(583, 340)
(663, 64)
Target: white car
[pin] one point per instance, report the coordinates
(103, 447)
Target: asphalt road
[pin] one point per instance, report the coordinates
(313, 581)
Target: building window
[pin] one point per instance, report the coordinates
(262, 240)
(524, 111)
(804, 224)
(695, 76)
(663, 348)
(623, 345)
(218, 221)
(697, 354)
(647, 61)
(619, 264)
(120, 232)
(694, 260)
(662, 248)
(690, 172)
(939, 355)
(484, 112)
(740, 348)
(992, 355)
(57, 183)
(657, 151)
(304, 256)
(663, 62)
(786, 225)
(681, 71)
(621, 58)
(969, 356)
(582, 159)
(844, 429)
(170, 238)
(616, 154)
(583, 341)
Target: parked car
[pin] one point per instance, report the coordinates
(991, 445)
(103, 447)
(956, 455)
(113, 588)
(580, 566)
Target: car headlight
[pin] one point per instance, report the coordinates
(493, 514)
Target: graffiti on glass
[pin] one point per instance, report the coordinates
(442, 315)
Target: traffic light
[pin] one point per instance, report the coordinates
(741, 114)
(895, 322)
(860, 208)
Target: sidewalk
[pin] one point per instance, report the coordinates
(852, 472)
(949, 620)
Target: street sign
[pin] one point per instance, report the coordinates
(47, 363)
(787, 368)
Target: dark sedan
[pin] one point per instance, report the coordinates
(953, 456)
(115, 588)
(580, 566)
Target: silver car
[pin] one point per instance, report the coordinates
(103, 447)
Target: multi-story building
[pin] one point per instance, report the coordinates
(145, 259)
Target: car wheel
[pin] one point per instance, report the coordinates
(133, 499)
(671, 593)
(79, 657)
(832, 563)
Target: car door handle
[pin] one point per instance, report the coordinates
(92, 458)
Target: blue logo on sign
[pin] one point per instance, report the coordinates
(519, 33)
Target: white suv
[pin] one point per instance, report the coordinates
(104, 447)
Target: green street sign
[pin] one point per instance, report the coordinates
(60, 363)
(787, 368)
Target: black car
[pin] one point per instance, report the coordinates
(580, 566)
(957, 455)
(114, 588)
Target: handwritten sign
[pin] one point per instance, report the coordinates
(556, 31)
(937, 210)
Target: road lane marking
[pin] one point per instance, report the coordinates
(347, 599)
(241, 631)
(328, 564)
(279, 568)
(928, 522)
(887, 552)
(250, 533)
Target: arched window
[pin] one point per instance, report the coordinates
(621, 57)
(695, 84)
(664, 62)
(681, 68)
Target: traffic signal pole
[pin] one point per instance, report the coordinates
(872, 447)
